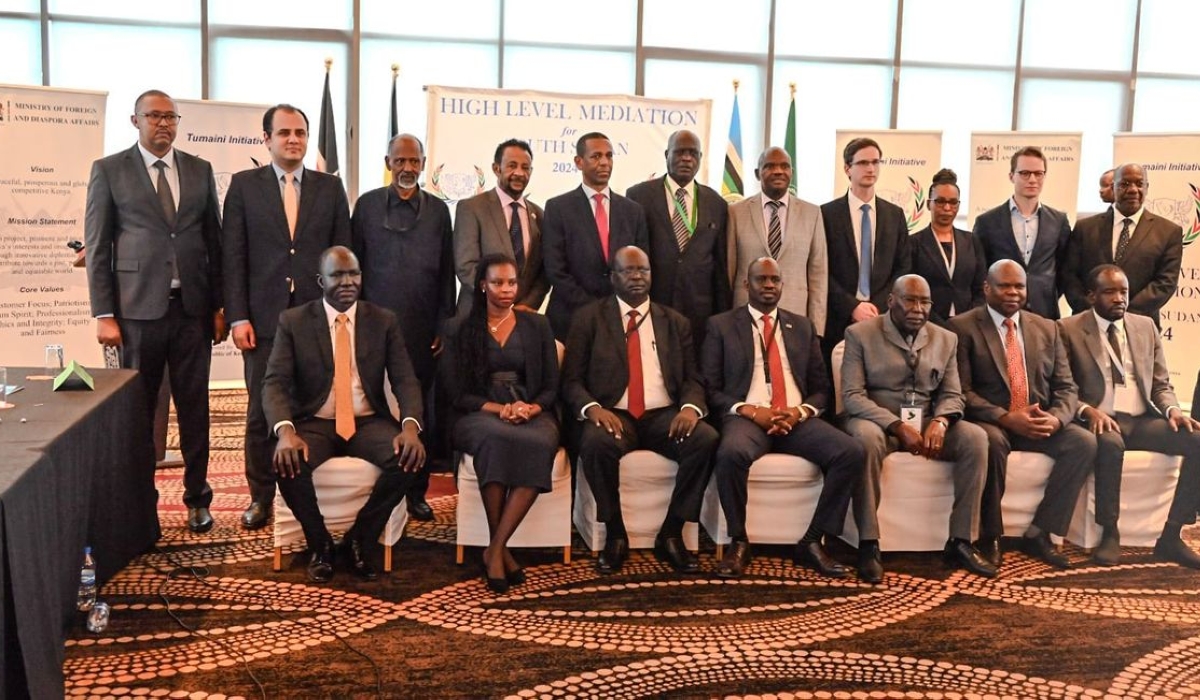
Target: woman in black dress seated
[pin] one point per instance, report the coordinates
(951, 260)
(500, 371)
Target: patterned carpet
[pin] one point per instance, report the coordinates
(205, 617)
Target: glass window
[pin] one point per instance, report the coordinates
(147, 10)
(976, 33)
(1160, 104)
(465, 19)
(421, 63)
(558, 22)
(327, 14)
(1168, 31)
(1059, 35)
(863, 29)
(566, 70)
(708, 26)
(33, 6)
(20, 51)
(98, 57)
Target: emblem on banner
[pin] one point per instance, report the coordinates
(917, 213)
(455, 186)
(1190, 236)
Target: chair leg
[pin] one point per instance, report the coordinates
(567, 554)
(458, 555)
(720, 552)
(387, 558)
(277, 565)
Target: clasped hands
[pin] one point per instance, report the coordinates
(517, 412)
(928, 445)
(1031, 422)
(775, 421)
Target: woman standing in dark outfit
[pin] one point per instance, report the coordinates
(951, 260)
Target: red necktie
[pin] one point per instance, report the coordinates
(633, 346)
(778, 386)
(602, 223)
(1019, 387)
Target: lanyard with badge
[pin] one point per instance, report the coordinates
(764, 344)
(1118, 366)
(689, 222)
(912, 412)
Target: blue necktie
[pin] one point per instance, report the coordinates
(518, 239)
(864, 255)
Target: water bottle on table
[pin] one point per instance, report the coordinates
(87, 582)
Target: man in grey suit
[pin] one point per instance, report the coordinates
(153, 237)
(1147, 247)
(1029, 232)
(798, 245)
(278, 219)
(1017, 382)
(1126, 398)
(486, 225)
(901, 390)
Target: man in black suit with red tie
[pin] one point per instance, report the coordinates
(582, 230)
(768, 401)
(634, 385)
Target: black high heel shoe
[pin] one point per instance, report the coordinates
(495, 585)
(515, 578)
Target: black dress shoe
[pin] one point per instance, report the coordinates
(613, 556)
(1173, 549)
(814, 556)
(256, 516)
(989, 548)
(870, 562)
(1040, 547)
(199, 519)
(735, 561)
(1108, 552)
(419, 509)
(320, 567)
(352, 549)
(672, 551)
(961, 555)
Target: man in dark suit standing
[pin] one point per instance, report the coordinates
(769, 404)
(1148, 248)
(1126, 398)
(686, 223)
(403, 240)
(867, 241)
(485, 225)
(1017, 382)
(153, 235)
(324, 397)
(634, 385)
(1029, 232)
(583, 228)
(278, 219)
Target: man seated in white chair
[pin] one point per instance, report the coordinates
(324, 396)
(1126, 398)
(766, 378)
(901, 391)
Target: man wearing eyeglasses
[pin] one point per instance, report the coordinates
(1147, 248)
(1029, 232)
(153, 238)
(404, 242)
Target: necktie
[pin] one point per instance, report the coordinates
(165, 197)
(291, 207)
(1114, 340)
(633, 346)
(518, 238)
(1122, 242)
(343, 406)
(864, 254)
(775, 230)
(681, 233)
(602, 223)
(775, 363)
(1018, 386)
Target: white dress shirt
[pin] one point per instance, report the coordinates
(759, 393)
(1124, 397)
(856, 222)
(1118, 217)
(766, 215)
(998, 320)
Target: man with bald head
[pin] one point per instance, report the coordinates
(687, 249)
(901, 391)
(766, 379)
(1147, 247)
(1017, 382)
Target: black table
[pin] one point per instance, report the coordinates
(79, 471)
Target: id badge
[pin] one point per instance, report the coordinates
(912, 414)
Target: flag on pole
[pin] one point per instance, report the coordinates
(327, 150)
(789, 139)
(393, 125)
(731, 182)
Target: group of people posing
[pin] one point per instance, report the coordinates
(946, 343)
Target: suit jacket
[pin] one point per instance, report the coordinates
(300, 371)
(727, 360)
(1092, 367)
(541, 366)
(693, 282)
(575, 262)
(983, 367)
(1047, 263)
(596, 366)
(130, 243)
(261, 260)
(964, 288)
(802, 258)
(876, 374)
(1151, 261)
(479, 230)
(890, 260)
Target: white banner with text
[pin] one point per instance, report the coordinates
(991, 156)
(909, 161)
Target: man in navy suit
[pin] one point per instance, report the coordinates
(583, 228)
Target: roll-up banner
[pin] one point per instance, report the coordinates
(910, 158)
(991, 155)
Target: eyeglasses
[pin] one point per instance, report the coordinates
(947, 203)
(1130, 184)
(161, 117)
(865, 163)
(1035, 174)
